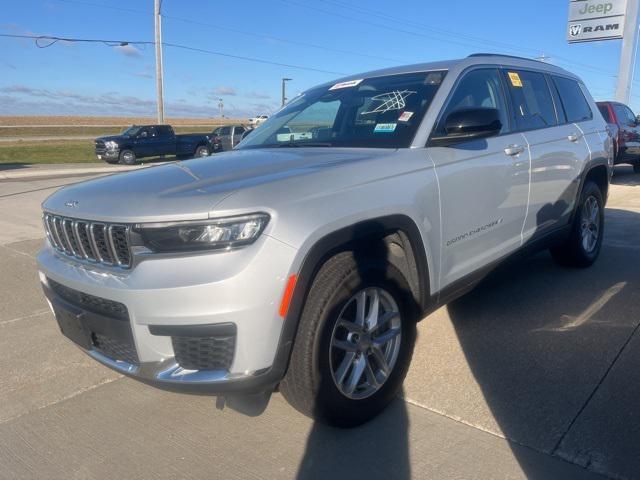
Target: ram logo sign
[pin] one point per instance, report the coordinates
(591, 20)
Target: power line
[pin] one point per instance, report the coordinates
(241, 32)
(44, 41)
(283, 40)
(115, 43)
(505, 46)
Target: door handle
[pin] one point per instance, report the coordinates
(514, 150)
(574, 137)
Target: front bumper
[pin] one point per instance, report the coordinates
(166, 298)
(107, 154)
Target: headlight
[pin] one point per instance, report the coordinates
(111, 145)
(220, 233)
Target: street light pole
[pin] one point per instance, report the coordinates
(284, 96)
(158, 45)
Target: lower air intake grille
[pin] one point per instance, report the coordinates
(117, 349)
(99, 305)
(204, 353)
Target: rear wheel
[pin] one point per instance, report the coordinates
(354, 342)
(201, 151)
(585, 240)
(127, 157)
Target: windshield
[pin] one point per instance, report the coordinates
(379, 112)
(131, 131)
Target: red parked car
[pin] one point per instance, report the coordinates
(625, 126)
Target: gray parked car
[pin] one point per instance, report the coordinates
(226, 137)
(304, 258)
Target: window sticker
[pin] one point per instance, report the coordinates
(385, 127)
(349, 84)
(515, 79)
(394, 100)
(405, 116)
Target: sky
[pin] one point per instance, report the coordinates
(319, 40)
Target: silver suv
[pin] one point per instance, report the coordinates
(303, 259)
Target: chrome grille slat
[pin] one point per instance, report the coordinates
(96, 242)
(76, 234)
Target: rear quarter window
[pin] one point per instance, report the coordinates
(573, 101)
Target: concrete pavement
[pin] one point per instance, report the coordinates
(532, 375)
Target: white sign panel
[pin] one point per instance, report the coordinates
(591, 20)
(588, 9)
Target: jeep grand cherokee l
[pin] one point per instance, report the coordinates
(303, 260)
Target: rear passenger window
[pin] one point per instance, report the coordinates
(575, 105)
(604, 110)
(478, 89)
(531, 99)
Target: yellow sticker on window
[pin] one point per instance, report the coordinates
(515, 79)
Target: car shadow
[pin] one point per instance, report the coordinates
(624, 175)
(377, 449)
(13, 166)
(539, 339)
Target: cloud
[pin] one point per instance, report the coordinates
(223, 90)
(258, 95)
(128, 50)
(25, 100)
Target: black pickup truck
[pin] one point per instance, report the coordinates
(141, 141)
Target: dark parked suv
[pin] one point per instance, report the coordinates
(626, 127)
(141, 141)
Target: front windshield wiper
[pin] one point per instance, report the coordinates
(305, 144)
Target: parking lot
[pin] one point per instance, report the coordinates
(535, 374)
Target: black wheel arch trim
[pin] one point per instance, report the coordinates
(590, 165)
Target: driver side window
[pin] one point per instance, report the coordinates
(479, 88)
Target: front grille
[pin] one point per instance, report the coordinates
(204, 353)
(97, 242)
(100, 147)
(117, 349)
(102, 306)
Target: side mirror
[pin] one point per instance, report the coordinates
(143, 135)
(637, 119)
(469, 124)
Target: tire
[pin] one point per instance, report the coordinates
(201, 151)
(310, 384)
(577, 251)
(127, 157)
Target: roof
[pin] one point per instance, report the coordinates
(461, 64)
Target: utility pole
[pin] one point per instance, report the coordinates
(628, 54)
(284, 96)
(221, 107)
(158, 42)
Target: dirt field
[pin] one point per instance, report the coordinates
(45, 120)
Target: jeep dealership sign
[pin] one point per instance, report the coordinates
(591, 20)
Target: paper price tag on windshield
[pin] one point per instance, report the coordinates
(350, 83)
(515, 79)
(405, 116)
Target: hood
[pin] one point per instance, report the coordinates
(190, 190)
(109, 138)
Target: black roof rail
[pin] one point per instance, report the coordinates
(507, 56)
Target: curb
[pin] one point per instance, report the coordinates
(63, 172)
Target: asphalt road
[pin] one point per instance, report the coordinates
(535, 374)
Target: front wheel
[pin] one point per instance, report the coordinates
(128, 157)
(585, 240)
(354, 342)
